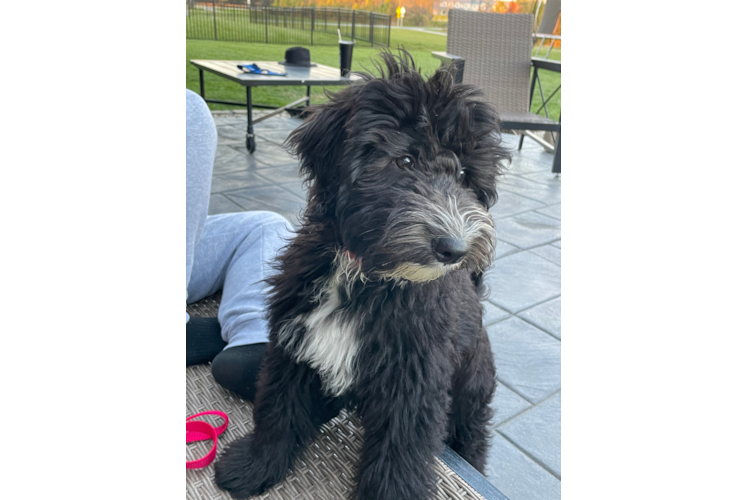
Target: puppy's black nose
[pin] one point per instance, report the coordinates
(449, 250)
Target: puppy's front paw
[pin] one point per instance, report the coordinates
(245, 471)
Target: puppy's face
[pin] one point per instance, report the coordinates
(407, 168)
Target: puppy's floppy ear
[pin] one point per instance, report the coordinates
(488, 160)
(319, 142)
(486, 154)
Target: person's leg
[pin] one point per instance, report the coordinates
(203, 334)
(237, 369)
(235, 254)
(203, 340)
(202, 139)
(229, 252)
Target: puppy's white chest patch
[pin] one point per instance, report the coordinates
(330, 343)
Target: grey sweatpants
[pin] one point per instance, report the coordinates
(233, 251)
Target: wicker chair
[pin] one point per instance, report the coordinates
(326, 469)
(493, 51)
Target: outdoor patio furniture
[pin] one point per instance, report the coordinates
(296, 75)
(327, 468)
(547, 24)
(493, 52)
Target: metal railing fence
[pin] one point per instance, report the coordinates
(284, 25)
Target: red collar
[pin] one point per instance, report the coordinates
(353, 258)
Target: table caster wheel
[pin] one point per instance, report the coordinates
(250, 142)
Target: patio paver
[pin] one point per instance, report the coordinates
(528, 360)
(273, 197)
(219, 204)
(237, 179)
(517, 475)
(522, 280)
(503, 249)
(530, 162)
(548, 252)
(281, 172)
(529, 229)
(229, 159)
(538, 431)
(272, 155)
(546, 316)
(228, 134)
(538, 191)
(507, 404)
(493, 313)
(551, 211)
(522, 313)
(276, 136)
(510, 204)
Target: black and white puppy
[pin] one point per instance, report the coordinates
(376, 303)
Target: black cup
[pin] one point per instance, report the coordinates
(346, 56)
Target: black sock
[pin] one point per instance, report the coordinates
(203, 340)
(236, 369)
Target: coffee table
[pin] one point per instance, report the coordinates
(296, 75)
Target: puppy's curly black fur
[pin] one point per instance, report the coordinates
(375, 305)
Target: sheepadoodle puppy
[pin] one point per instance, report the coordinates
(375, 306)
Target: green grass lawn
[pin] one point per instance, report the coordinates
(419, 44)
(549, 81)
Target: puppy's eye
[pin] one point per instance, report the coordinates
(405, 161)
(461, 175)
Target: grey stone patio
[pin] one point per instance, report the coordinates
(523, 313)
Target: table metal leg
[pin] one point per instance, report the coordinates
(309, 96)
(202, 85)
(250, 142)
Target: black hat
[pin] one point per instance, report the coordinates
(297, 56)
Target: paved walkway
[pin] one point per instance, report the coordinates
(422, 30)
(523, 313)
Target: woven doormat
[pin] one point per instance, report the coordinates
(324, 472)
